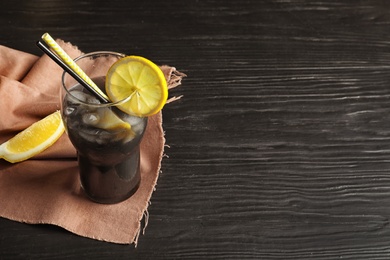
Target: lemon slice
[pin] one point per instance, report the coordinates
(105, 119)
(141, 81)
(33, 139)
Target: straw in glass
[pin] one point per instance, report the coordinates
(72, 73)
(68, 60)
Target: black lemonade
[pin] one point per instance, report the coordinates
(108, 153)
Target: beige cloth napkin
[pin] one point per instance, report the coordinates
(46, 188)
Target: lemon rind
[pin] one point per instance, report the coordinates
(126, 106)
(18, 157)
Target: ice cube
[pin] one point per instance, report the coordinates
(133, 120)
(137, 123)
(102, 137)
(138, 128)
(88, 136)
(81, 96)
(92, 100)
(69, 110)
(100, 140)
(91, 118)
(84, 97)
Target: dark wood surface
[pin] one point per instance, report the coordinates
(280, 148)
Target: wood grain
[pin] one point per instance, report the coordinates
(280, 147)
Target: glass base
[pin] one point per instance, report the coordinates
(110, 200)
(110, 184)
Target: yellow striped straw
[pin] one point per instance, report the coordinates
(68, 60)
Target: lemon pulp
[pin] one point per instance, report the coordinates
(34, 139)
(139, 80)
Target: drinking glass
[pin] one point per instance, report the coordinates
(107, 139)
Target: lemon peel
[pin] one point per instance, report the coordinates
(34, 139)
(139, 80)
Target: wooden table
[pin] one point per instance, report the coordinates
(280, 148)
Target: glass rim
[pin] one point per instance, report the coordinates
(91, 54)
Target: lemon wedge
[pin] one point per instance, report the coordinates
(105, 119)
(140, 80)
(34, 139)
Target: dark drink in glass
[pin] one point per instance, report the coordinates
(107, 140)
